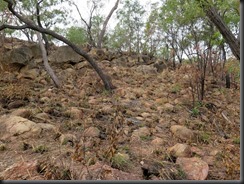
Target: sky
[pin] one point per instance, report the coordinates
(108, 6)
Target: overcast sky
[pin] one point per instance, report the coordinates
(108, 6)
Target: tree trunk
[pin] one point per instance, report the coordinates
(45, 62)
(29, 24)
(101, 35)
(230, 39)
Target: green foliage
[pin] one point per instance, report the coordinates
(40, 149)
(120, 161)
(130, 18)
(76, 35)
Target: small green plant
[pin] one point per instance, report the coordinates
(40, 149)
(181, 175)
(204, 137)
(146, 137)
(2, 147)
(175, 88)
(120, 161)
(236, 140)
(195, 112)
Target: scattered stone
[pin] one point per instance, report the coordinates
(168, 107)
(74, 113)
(145, 114)
(182, 132)
(197, 151)
(92, 132)
(157, 141)
(29, 74)
(16, 104)
(141, 132)
(42, 116)
(67, 139)
(101, 171)
(180, 150)
(194, 168)
(24, 113)
(209, 159)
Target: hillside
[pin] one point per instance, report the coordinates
(146, 129)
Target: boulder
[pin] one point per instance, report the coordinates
(182, 132)
(194, 168)
(65, 54)
(180, 150)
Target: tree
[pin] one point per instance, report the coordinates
(76, 35)
(26, 23)
(130, 18)
(213, 15)
(102, 32)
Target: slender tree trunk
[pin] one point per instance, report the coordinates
(101, 35)
(45, 61)
(31, 25)
(230, 39)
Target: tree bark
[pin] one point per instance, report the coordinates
(101, 35)
(29, 24)
(45, 61)
(230, 39)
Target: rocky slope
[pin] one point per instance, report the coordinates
(145, 129)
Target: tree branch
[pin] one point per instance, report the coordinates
(106, 79)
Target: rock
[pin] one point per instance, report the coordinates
(197, 151)
(209, 160)
(194, 168)
(65, 54)
(16, 104)
(168, 107)
(92, 132)
(42, 116)
(180, 150)
(146, 69)
(44, 99)
(98, 54)
(101, 171)
(182, 132)
(157, 142)
(24, 113)
(16, 125)
(46, 126)
(145, 114)
(22, 55)
(74, 113)
(29, 74)
(141, 132)
(26, 170)
(67, 138)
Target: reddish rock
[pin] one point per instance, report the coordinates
(194, 168)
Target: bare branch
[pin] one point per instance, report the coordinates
(106, 79)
